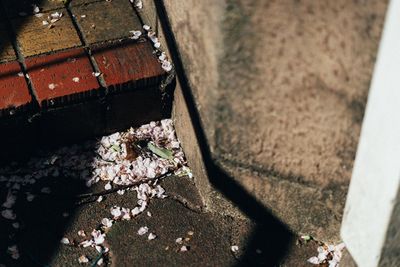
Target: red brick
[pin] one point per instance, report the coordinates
(128, 65)
(17, 132)
(14, 92)
(133, 75)
(59, 70)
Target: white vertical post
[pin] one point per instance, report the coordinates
(371, 223)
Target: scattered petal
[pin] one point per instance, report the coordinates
(81, 233)
(8, 214)
(313, 260)
(143, 230)
(98, 237)
(116, 212)
(64, 241)
(106, 222)
(83, 259)
(234, 248)
(184, 249)
(151, 236)
(107, 186)
(138, 4)
(167, 66)
(13, 251)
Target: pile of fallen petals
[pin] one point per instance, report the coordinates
(120, 159)
(328, 254)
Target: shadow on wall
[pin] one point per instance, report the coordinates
(270, 235)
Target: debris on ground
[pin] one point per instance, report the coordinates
(134, 160)
(328, 255)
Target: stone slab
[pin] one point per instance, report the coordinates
(7, 52)
(22, 8)
(106, 20)
(35, 38)
(62, 78)
(14, 92)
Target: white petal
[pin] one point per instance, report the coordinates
(83, 259)
(151, 236)
(81, 233)
(64, 241)
(143, 230)
(8, 214)
(107, 186)
(313, 260)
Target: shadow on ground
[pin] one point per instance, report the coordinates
(38, 203)
(41, 217)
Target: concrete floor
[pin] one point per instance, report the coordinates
(43, 225)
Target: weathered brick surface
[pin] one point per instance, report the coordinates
(14, 92)
(15, 104)
(103, 21)
(72, 109)
(16, 8)
(6, 49)
(128, 64)
(69, 99)
(132, 74)
(35, 38)
(62, 78)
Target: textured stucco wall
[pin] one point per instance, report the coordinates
(281, 88)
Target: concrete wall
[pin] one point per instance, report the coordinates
(281, 87)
